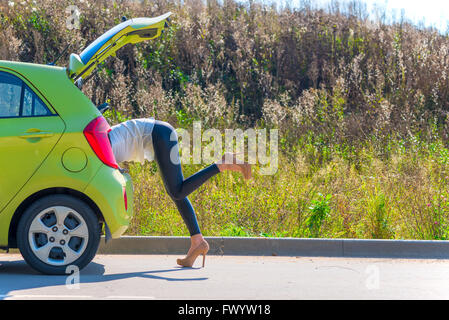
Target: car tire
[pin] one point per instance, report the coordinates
(56, 232)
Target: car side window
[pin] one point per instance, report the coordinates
(32, 105)
(18, 100)
(10, 95)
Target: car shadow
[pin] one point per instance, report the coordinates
(17, 275)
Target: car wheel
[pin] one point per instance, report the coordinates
(58, 231)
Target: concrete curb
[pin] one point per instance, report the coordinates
(411, 249)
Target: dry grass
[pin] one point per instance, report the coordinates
(405, 197)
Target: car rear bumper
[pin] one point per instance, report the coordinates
(107, 191)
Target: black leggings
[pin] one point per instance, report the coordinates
(176, 186)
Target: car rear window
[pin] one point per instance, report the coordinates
(18, 100)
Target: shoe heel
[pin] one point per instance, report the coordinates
(204, 259)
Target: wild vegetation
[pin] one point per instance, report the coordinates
(361, 108)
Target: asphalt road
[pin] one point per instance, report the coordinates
(231, 277)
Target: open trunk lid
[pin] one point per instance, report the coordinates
(131, 31)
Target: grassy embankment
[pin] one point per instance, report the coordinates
(361, 108)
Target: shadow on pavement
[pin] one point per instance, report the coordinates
(17, 275)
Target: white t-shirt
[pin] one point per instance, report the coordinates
(131, 140)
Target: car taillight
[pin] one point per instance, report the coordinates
(125, 198)
(96, 134)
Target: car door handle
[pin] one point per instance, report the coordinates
(35, 133)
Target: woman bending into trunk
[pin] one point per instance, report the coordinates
(140, 139)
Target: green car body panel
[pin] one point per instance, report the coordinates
(62, 162)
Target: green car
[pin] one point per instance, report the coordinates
(60, 185)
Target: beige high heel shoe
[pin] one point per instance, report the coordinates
(188, 261)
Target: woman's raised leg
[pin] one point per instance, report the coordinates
(166, 152)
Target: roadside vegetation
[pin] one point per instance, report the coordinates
(361, 108)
